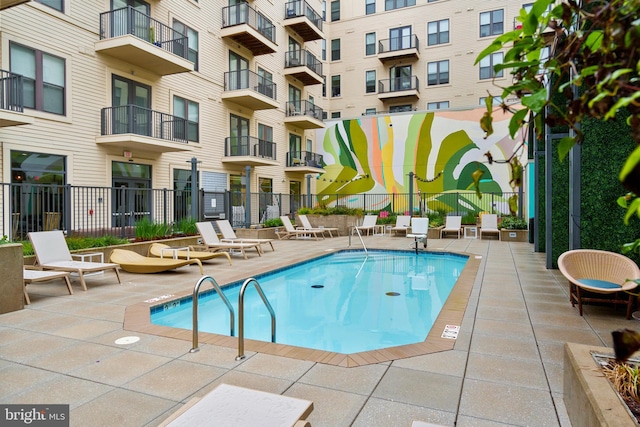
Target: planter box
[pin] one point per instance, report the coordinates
(257, 233)
(514, 235)
(12, 284)
(588, 395)
(434, 233)
(343, 223)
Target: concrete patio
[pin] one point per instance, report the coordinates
(506, 367)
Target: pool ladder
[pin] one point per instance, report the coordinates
(357, 230)
(196, 292)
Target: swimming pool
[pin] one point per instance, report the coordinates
(344, 302)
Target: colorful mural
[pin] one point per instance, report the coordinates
(375, 154)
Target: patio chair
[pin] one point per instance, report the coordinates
(228, 235)
(419, 230)
(133, 262)
(368, 224)
(599, 276)
(291, 232)
(453, 224)
(211, 242)
(165, 251)
(52, 253)
(489, 225)
(31, 275)
(403, 223)
(306, 224)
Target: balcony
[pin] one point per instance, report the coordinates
(6, 4)
(304, 66)
(138, 39)
(249, 151)
(250, 90)
(304, 114)
(11, 102)
(134, 128)
(405, 47)
(301, 18)
(304, 162)
(399, 87)
(253, 30)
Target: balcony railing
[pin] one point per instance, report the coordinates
(303, 108)
(396, 44)
(304, 158)
(247, 79)
(296, 8)
(244, 14)
(296, 58)
(143, 121)
(11, 90)
(249, 146)
(399, 84)
(127, 20)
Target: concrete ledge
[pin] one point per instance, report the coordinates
(588, 395)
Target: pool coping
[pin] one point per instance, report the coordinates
(138, 319)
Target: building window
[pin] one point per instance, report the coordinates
(400, 108)
(370, 78)
(370, 7)
(324, 86)
(335, 11)
(497, 100)
(438, 32)
(335, 49)
(31, 168)
(43, 77)
(370, 43)
(397, 4)
(190, 111)
(55, 4)
(192, 47)
(438, 105)
(335, 86)
(324, 50)
(335, 114)
(438, 73)
(370, 111)
(491, 23)
(487, 63)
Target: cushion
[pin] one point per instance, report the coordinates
(603, 284)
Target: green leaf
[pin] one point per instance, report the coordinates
(517, 120)
(536, 101)
(630, 163)
(622, 102)
(594, 40)
(530, 24)
(497, 44)
(634, 208)
(564, 146)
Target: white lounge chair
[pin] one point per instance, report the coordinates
(306, 224)
(52, 253)
(31, 275)
(368, 224)
(489, 225)
(403, 222)
(453, 224)
(291, 232)
(419, 229)
(228, 235)
(211, 242)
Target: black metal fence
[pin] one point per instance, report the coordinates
(97, 211)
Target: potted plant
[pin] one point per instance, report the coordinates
(342, 218)
(513, 229)
(11, 285)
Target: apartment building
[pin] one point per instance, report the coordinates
(127, 92)
(406, 55)
(132, 93)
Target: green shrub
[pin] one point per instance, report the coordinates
(273, 222)
(513, 223)
(147, 230)
(340, 210)
(186, 226)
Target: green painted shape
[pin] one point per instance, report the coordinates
(418, 145)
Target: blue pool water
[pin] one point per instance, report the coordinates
(345, 302)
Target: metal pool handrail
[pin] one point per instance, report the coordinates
(196, 291)
(241, 315)
(360, 236)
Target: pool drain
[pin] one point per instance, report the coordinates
(392, 294)
(317, 286)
